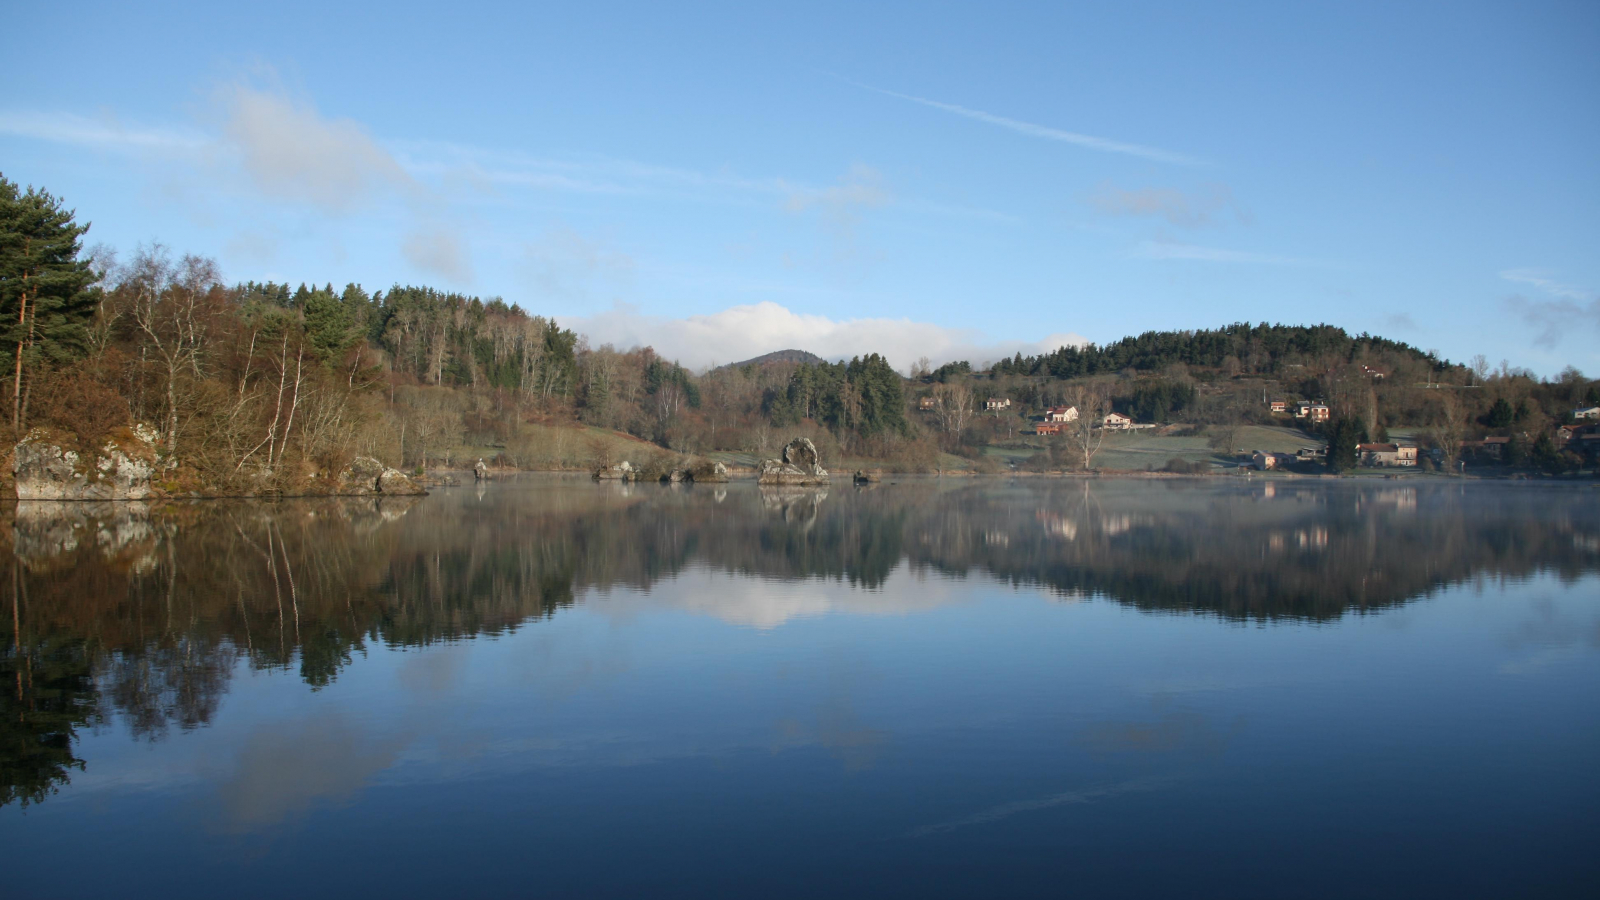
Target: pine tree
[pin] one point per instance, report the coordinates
(1342, 439)
(45, 300)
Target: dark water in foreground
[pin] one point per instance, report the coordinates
(555, 688)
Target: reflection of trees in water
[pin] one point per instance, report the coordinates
(49, 694)
(143, 613)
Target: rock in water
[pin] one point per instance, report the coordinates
(709, 473)
(366, 475)
(48, 466)
(361, 476)
(622, 471)
(800, 465)
(480, 471)
(802, 453)
(394, 483)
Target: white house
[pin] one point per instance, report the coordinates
(1587, 412)
(996, 403)
(1118, 422)
(1061, 414)
(1385, 455)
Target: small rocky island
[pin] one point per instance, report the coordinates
(800, 465)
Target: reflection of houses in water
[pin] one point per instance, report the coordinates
(1115, 525)
(1404, 499)
(1057, 526)
(997, 538)
(1313, 539)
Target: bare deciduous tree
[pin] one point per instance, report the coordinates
(952, 406)
(170, 302)
(1087, 432)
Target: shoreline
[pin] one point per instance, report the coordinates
(848, 481)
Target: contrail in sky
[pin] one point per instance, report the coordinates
(1043, 131)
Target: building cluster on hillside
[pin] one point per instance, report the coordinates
(1581, 438)
(1303, 409)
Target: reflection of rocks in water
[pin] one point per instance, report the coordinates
(45, 530)
(796, 505)
(369, 514)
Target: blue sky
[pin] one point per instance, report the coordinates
(949, 181)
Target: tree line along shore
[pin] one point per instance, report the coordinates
(249, 388)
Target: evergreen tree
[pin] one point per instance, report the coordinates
(331, 324)
(1343, 435)
(45, 299)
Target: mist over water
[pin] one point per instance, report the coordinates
(546, 686)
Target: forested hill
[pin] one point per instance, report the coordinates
(779, 356)
(1238, 348)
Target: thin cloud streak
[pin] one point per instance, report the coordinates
(1031, 129)
(1540, 279)
(1574, 307)
(1169, 250)
(70, 128)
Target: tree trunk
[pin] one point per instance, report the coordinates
(16, 386)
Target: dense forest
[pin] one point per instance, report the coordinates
(271, 387)
(1236, 349)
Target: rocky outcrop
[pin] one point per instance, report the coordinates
(50, 465)
(800, 465)
(709, 472)
(360, 477)
(366, 475)
(394, 483)
(622, 471)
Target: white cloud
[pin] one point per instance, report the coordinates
(564, 262)
(1173, 250)
(292, 152)
(1541, 280)
(438, 251)
(1183, 209)
(862, 186)
(1043, 131)
(740, 332)
(1573, 306)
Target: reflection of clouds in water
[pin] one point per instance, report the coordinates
(1006, 810)
(435, 669)
(1188, 731)
(1554, 633)
(766, 603)
(1540, 660)
(835, 725)
(283, 770)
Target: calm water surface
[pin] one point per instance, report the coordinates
(548, 687)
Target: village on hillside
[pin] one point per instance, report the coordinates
(1576, 439)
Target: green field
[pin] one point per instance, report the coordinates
(1143, 450)
(1136, 450)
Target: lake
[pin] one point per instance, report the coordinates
(959, 687)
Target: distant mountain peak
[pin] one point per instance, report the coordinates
(780, 356)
